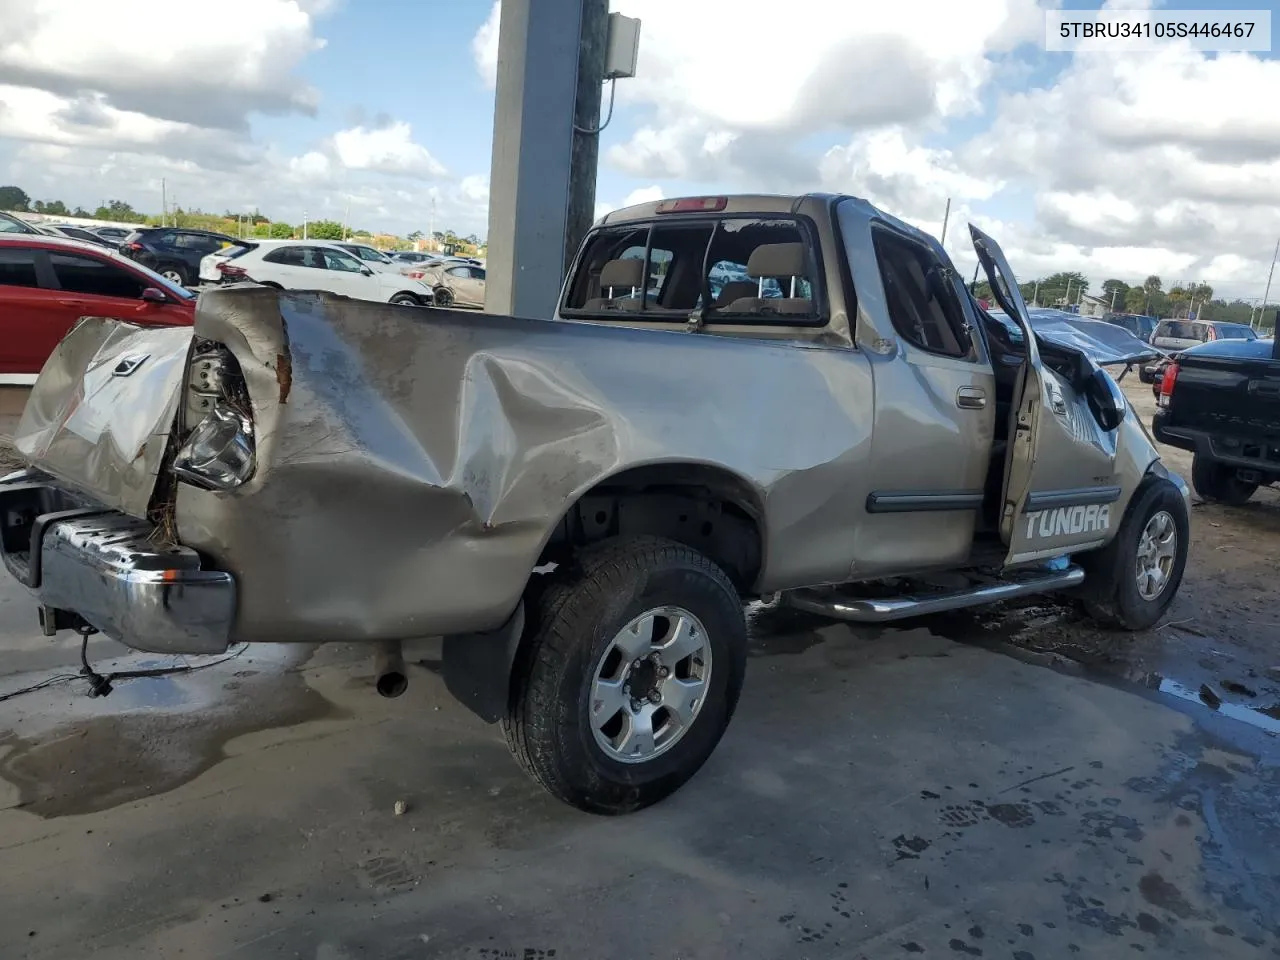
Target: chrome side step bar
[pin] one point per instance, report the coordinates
(900, 608)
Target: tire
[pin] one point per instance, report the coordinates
(175, 273)
(406, 300)
(443, 297)
(1116, 598)
(1145, 377)
(1218, 481)
(576, 627)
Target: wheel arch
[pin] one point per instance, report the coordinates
(705, 506)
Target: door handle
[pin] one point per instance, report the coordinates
(71, 303)
(971, 398)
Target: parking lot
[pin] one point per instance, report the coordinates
(1009, 783)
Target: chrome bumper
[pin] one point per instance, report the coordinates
(87, 564)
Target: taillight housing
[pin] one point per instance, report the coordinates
(1167, 383)
(230, 271)
(219, 450)
(415, 274)
(133, 246)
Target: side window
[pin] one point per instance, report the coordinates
(477, 273)
(285, 256)
(462, 273)
(920, 297)
(18, 268)
(93, 277)
(336, 260)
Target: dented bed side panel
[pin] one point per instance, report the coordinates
(412, 464)
(102, 410)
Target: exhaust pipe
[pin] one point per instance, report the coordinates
(388, 669)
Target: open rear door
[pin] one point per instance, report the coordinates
(1059, 472)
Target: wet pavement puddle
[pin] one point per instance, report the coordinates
(65, 753)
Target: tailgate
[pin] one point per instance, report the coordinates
(1233, 396)
(100, 415)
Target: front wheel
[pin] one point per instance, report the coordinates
(443, 297)
(1131, 582)
(629, 675)
(1219, 481)
(405, 300)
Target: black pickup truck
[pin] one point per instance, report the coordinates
(1221, 400)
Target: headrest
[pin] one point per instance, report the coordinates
(622, 273)
(778, 260)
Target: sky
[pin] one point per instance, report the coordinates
(1117, 165)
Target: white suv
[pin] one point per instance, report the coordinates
(311, 265)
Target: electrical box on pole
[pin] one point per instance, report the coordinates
(623, 48)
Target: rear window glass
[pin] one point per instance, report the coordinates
(1236, 331)
(732, 269)
(1179, 330)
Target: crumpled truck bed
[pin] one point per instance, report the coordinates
(413, 463)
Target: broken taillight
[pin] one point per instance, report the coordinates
(230, 271)
(218, 451)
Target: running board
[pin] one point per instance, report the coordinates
(900, 608)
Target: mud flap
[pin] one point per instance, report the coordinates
(477, 667)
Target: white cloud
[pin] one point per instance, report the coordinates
(484, 46)
(643, 195)
(209, 69)
(889, 62)
(388, 149)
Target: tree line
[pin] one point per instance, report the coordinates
(254, 224)
(1148, 298)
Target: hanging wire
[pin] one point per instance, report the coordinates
(100, 684)
(613, 84)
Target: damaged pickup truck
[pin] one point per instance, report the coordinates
(787, 399)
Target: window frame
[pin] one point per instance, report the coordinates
(970, 327)
(804, 224)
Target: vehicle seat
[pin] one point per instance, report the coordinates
(736, 290)
(777, 261)
(614, 275)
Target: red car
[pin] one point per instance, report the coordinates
(48, 283)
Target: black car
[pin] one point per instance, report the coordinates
(172, 252)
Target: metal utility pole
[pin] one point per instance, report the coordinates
(304, 224)
(945, 217)
(1266, 293)
(164, 204)
(346, 220)
(553, 57)
(1035, 295)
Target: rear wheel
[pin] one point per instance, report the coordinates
(405, 300)
(629, 675)
(174, 273)
(1131, 582)
(1219, 481)
(443, 297)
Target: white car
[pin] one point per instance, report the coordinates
(312, 265)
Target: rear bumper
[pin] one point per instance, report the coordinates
(87, 564)
(1246, 453)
